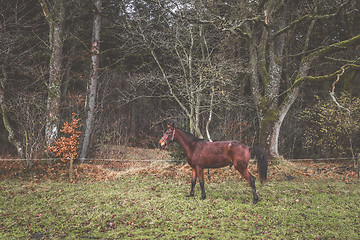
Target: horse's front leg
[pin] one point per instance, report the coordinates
(193, 182)
(200, 172)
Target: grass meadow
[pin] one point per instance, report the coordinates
(154, 207)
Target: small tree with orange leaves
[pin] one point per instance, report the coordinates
(66, 147)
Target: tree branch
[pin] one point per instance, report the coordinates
(332, 48)
(309, 17)
(321, 78)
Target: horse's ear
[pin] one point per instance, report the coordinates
(172, 125)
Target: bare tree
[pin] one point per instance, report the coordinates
(187, 62)
(270, 30)
(91, 96)
(21, 75)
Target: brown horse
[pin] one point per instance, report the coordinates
(202, 154)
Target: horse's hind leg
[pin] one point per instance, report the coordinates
(250, 179)
(193, 182)
(200, 172)
(253, 188)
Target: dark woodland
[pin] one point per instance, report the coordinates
(280, 74)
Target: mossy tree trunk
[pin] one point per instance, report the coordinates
(273, 120)
(6, 119)
(266, 50)
(55, 15)
(272, 94)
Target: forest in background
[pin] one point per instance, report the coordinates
(281, 74)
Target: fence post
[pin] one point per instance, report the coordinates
(71, 168)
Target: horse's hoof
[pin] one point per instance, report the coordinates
(203, 197)
(191, 195)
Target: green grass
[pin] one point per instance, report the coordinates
(148, 208)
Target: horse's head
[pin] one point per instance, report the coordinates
(168, 136)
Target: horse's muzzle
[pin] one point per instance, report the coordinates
(162, 143)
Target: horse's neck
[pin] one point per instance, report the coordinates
(186, 142)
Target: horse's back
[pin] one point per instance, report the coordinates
(218, 154)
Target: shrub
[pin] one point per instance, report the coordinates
(333, 130)
(66, 147)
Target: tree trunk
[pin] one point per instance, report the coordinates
(210, 114)
(91, 97)
(271, 125)
(9, 128)
(68, 68)
(56, 20)
(273, 121)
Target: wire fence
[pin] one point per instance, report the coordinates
(95, 159)
(355, 161)
(178, 160)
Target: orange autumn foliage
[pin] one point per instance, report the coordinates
(67, 147)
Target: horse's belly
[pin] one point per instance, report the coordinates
(219, 164)
(209, 159)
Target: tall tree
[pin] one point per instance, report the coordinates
(54, 13)
(272, 29)
(91, 95)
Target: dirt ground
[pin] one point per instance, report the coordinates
(112, 162)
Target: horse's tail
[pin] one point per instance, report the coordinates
(262, 162)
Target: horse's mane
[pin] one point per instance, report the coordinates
(190, 135)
